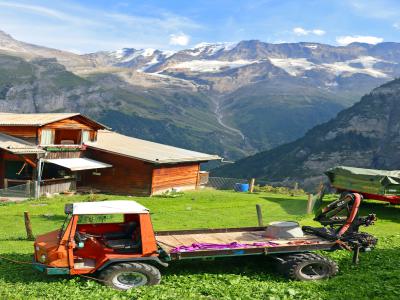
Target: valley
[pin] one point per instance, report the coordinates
(232, 99)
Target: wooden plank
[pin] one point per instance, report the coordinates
(165, 177)
(186, 239)
(169, 242)
(64, 154)
(67, 124)
(208, 238)
(214, 230)
(19, 131)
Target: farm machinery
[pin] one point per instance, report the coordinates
(127, 253)
(374, 184)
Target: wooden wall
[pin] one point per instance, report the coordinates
(126, 176)
(28, 133)
(132, 176)
(32, 133)
(72, 130)
(184, 176)
(64, 154)
(67, 124)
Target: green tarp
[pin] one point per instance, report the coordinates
(379, 182)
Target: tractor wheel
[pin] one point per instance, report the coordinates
(125, 276)
(308, 266)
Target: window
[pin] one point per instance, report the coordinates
(47, 137)
(85, 136)
(100, 219)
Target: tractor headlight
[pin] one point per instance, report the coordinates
(43, 258)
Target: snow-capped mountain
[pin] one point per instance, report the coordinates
(257, 95)
(328, 66)
(136, 59)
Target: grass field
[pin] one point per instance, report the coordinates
(377, 276)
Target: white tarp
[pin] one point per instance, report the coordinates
(106, 207)
(78, 164)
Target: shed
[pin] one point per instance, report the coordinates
(60, 152)
(142, 167)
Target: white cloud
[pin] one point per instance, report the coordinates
(299, 31)
(348, 39)
(179, 39)
(318, 32)
(397, 25)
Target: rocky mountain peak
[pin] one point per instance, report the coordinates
(5, 36)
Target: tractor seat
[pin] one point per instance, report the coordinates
(126, 234)
(127, 244)
(127, 241)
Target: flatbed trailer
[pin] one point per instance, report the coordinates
(254, 240)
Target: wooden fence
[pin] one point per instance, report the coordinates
(58, 185)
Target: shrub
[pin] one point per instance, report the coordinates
(279, 190)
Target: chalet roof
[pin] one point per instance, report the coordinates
(144, 150)
(105, 208)
(18, 146)
(39, 119)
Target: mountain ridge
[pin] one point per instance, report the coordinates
(248, 96)
(364, 135)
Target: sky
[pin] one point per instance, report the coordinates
(95, 25)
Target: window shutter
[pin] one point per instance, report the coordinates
(47, 137)
(85, 136)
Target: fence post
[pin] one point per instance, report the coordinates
(309, 203)
(28, 188)
(320, 187)
(259, 215)
(5, 184)
(28, 226)
(252, 182)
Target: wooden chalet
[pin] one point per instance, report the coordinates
(58, 152)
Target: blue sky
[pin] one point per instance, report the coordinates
(88, 26)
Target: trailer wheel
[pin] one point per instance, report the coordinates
(308, 266)
(125, 276)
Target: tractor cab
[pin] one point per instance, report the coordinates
(95, 234)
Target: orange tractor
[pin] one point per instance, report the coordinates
(127, 253)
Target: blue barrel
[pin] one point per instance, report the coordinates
(241, 187)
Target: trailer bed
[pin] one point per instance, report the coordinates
(170, 241)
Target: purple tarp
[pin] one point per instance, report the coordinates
(207, 246)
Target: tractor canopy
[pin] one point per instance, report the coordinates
(105, 208)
